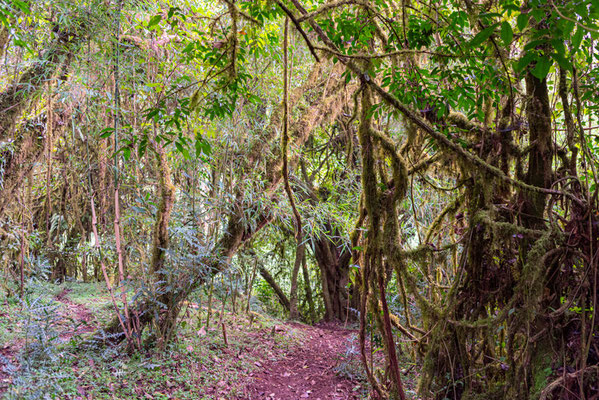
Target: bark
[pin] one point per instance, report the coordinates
(333, 261)
(20, 161)
(3, 40)
(539, 173)
(540, 157)
(160, 242)
(570, 128)
(273, 284)
(299, 255)
(308, 289)
(16, 97)
(160, 239)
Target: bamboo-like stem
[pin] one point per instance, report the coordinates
(105, 272)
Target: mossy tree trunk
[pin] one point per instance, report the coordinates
(163, 279)
(17, 97)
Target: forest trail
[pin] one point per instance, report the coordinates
(320, 368)
(77, 317)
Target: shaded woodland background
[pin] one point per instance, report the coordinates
(426, 170)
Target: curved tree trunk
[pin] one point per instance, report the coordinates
(283, 299)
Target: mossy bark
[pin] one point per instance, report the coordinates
(17, 96)
(299, 255)
(3, 40)
(163, 280)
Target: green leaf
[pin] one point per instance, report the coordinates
(534, 43)
(186, 154)
(562, 61)
(143, 145)
(506, 33)
(538, 14)
(198, 146)
(20, 43)
(577, 39)
(524, 61)
(558, 46)
(24, 7)
(155, 20)
(511, 8)
(106, 132)
(482, 36)
(179, 147)
(522, 21)
(542, 67)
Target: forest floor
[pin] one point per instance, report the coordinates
(312, 369)
(255, 357)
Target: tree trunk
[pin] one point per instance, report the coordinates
(160, 242)
(334, 268)
(540, 157)
(273, 284)
(545, 297)
(299, 255)
(308, 289)
(3, 40)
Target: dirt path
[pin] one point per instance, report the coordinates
(309, 371)
(76, 317)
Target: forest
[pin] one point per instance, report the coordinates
(289, 199)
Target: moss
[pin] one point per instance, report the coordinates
(541, 370)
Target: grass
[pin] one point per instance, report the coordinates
(198, 365)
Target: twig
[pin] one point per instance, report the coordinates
(299, 28)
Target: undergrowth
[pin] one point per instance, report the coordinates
(51, 362)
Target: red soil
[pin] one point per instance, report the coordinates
(308, 371)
